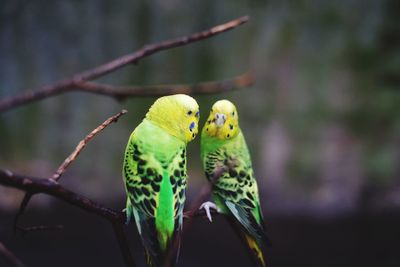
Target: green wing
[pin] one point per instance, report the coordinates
(142, 183)
(142, 179)
(236, 190)
(154, 171)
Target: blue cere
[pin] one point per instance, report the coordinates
(191, 126)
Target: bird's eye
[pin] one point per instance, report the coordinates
(233, 113)
(189, 112)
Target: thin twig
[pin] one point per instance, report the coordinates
(22, 207)
(83, 143)
(71, 83)
(9, 257)
(28, 229)
(212, 87)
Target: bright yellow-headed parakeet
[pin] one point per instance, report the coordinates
(227, 165)
(154, 171)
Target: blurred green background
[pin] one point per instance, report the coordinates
(322, 119)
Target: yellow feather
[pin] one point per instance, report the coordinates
(230, 127)
(255, 248)
(176, 114)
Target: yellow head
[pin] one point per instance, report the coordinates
(223, 121)
(176, 114)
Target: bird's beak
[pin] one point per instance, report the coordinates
(220, 119)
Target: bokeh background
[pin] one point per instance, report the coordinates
(322, 123)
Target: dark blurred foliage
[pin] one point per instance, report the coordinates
(322, 121)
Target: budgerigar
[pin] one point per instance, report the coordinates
(154, 171)
(227, 165)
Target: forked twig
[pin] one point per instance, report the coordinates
(56, 176)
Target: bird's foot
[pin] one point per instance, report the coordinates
(207, 206)
(128, 215)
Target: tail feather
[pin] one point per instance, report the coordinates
(149, 259)
(160, 260)
(164, 258)
(251, 244)
(255, 250)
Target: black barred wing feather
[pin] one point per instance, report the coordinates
(143, 176)
(237, 189)
(142, 182)
(143, 173)
(142, 179)
(178, 182)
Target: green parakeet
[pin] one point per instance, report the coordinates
(154, 172)
(224, 153)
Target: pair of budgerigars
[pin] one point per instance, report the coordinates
(154, 172)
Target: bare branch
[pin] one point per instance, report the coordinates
(9, 257)
(212, 87)
(66, 163)
(51, 187)
(70, 83)
(34, 185)
(83, 143)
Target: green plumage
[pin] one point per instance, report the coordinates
(154, 170)
(236, 191)
(227, 164)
